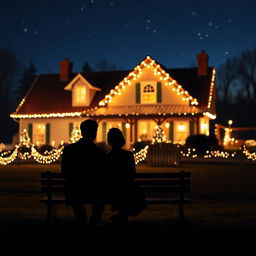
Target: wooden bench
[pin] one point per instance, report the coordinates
(159, 188)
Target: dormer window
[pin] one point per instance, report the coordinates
(148, 93)
(79, 95)
(82, 91)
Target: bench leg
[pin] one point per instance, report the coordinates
(51, 212)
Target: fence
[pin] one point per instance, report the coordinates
(164, 154)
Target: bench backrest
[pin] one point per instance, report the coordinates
(150, 183)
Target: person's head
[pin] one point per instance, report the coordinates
(115, 138)
(89, 129)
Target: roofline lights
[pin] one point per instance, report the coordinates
(158, 71)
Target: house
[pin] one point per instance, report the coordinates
(181, 101)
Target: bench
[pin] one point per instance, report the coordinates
(159, 188)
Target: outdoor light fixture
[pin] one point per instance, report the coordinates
(127, 125)
(181, 127)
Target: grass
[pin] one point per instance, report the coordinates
(223, 197)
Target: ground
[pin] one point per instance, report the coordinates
(223, 198)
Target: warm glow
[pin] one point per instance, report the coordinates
(203, 126)
(181, 127)
(127, 125)
(79, 98)
(148, 92)
(230, 122)
(39, 135)
(167, 125)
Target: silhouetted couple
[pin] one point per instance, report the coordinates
(94, 177)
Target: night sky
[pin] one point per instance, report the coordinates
(124, 32)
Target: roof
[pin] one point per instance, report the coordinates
(144, 110)
(47, 94)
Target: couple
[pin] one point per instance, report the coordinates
(92, 176)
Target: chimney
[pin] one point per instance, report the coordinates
(202, 63)
(65, 70)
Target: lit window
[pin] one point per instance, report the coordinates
(181, 131)
(79, 95)
(39, 134)
(148, 94)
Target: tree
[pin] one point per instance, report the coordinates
(28, 77)
(226, 79)
(159, 135)
(8, 69)
(104, 65)
(247, 74)
(86, 68)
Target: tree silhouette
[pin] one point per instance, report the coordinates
(86, 68)
(28, 77)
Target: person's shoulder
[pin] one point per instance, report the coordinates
(99, 150)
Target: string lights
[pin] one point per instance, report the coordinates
(211, 88)
(141, 155)
(53, 155)
(159, 72)
(159, 135)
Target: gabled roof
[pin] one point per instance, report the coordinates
(48, 96)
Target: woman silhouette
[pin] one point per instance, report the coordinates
(127, 199)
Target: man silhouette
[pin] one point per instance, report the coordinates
(83, 169)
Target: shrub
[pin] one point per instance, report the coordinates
(44, 148)
(202, 142)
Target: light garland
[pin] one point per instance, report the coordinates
(49, 115)
(159, 72)
(250, 156)
(141, 155)
(9, 159)
(211, 88)
(54, 154)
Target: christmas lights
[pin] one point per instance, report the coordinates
(49, 115)
(75, 135)
(159, 72)
(159, 135)
(211, 88)
(141, 155)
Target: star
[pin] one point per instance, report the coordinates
(111, 4)
(193, 13)
(25, 30)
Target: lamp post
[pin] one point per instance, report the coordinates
(230, 122)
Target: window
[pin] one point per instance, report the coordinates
(79, 95)
(39, 134)
(181, 131)
(148, 93)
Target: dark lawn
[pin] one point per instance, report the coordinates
(223, 197)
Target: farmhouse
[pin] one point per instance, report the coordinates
(181, 101)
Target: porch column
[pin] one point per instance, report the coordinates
(135, 130)
(197, 125)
